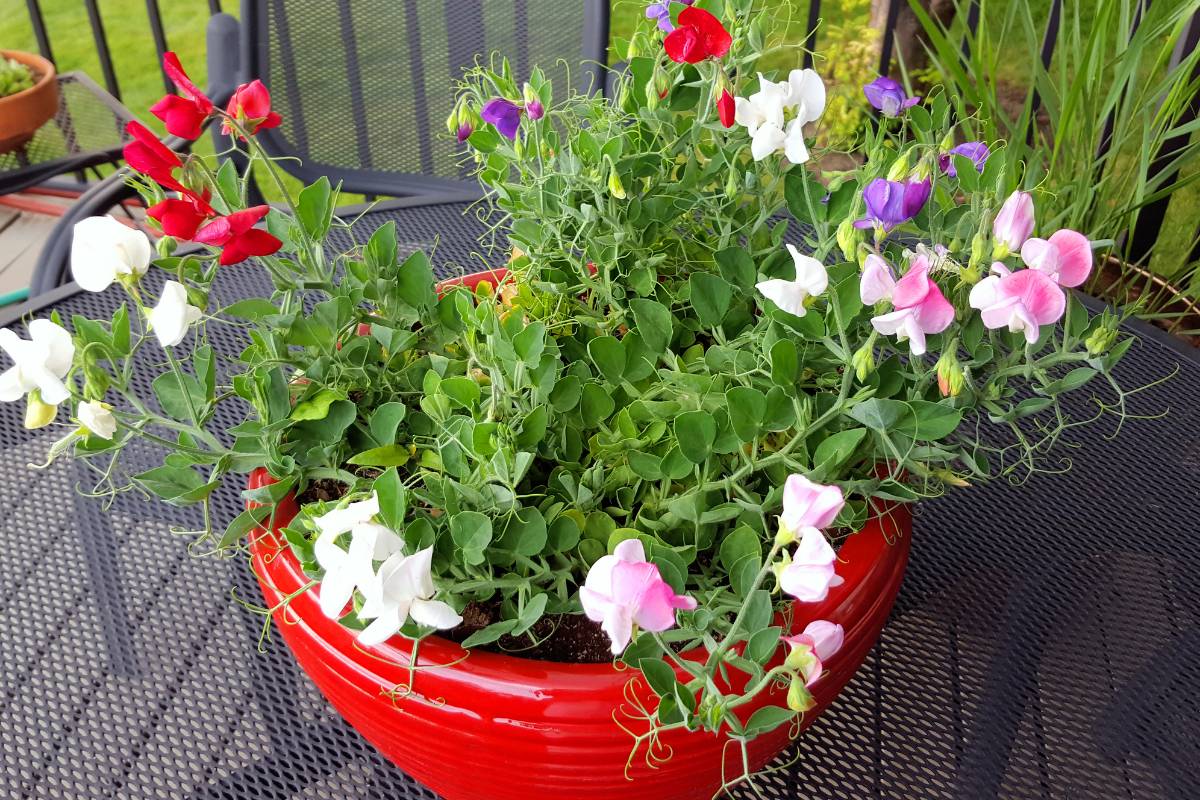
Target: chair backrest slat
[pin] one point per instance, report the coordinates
(365, 86)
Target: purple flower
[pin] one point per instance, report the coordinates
(534, 109)
(504, 114)
(892, 203)
(888, 96)
(662, 13)
(976, 151)
(465, 130)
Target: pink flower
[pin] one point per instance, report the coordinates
(809, 505)
(1066, 256)
(1021, 301)
(808, 574)
(877, 282)
(920, 308)
(623, 588)
(1014, 224)
(816, 644)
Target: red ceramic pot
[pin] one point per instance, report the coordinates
(487, 726)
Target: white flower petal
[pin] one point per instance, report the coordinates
(811, 274)
(806, 92)
(12, 387)
(341, 520)
(103, 248)
(385, 626)
(785, 294)
(795, 148)
(97, 418)
(60, 348)
(434, 614)
(768, 139)
(172, 316)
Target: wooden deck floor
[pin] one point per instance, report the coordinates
(22, 233)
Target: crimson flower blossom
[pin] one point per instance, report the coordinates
(147, 155)
(183, 114)
(181, 217)
(251, 107)
(238, 236)
(699, 35)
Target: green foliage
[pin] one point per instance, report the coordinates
(14, 77)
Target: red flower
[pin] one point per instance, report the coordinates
(699, 35)
(182, 217)
(147, 155)
(183, 114)
(251, 107)
(725, 108)
(238, 236)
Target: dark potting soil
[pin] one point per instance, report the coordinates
(567, 638)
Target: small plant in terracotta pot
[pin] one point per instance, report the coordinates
(28, 96)
(581, 516)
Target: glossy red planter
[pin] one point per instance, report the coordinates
(486, 726)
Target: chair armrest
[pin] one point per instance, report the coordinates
(224, 57)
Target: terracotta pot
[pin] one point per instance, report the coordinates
(486, 725)
(21, 114)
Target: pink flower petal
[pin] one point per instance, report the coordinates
(1074, 256)
(912, 288)
(934, 313)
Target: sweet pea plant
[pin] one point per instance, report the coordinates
(702, 367)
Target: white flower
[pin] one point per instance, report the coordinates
(97, 418)
(811, 280)
(347, 570)
(40, 362)
(403, 588)
(173, 315)
(763, 114)
(103, 249)
(806, 94)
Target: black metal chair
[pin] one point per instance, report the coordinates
(365, 86)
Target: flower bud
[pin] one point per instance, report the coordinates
(37, 413)
(615, 187)
(947, 143)
(165, 246)
(799, 699)
(863, 360)
(900, 168)
(923, 171)
(784, 536)
(660, 81)
(1013, 224)
(950, 375)
(452, 120)
(652, 96)
(1100, 341)
(848, 239)
(978, 254)
(637, 45)
(733, 184)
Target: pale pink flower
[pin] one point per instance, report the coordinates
(623, 588)
(920, 308)
(1066, 256)
(809, 505)
(809, 573)
(816, 644)
(1023, 300)
(877, 282)
(1014, 223)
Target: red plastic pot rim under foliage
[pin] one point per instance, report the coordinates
(539, 730)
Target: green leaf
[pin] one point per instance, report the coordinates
(933, 420)
(747, 408)
(759, 610)
(763, 644)
(645, 465)
(766, 719)
(392, 455)
(314, 209)
(492, 632)
(834, 450)
(530, 343)
(243, 523)
(608, 355)
(785, 363)
(462, 390)
(696, 431)
(332, 427)
(659, 676)
(1075, 379)
(173, 396)
(253, 309)
(414, 284)
(653, 322)
(393, 498)
(596, 404)
(533, 428)
(527, 533)
(741, 556)
(179, 486)
(737, 267)
(385, 422)
(566, 393)
(531, 613)
(380, 252)
(880, 415)
(710, 295)
(472, 532)
(317, 406)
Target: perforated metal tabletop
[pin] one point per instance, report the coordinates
(1046, 642)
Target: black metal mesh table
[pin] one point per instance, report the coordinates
(1046, 642)
(89, 129)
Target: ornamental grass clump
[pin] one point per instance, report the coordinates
(698, 366)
